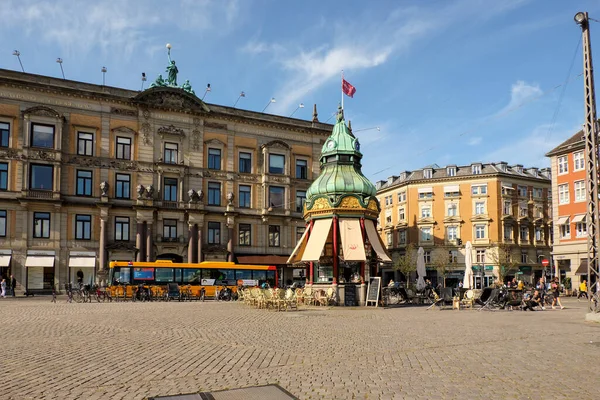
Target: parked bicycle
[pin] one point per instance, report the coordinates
(101, 294)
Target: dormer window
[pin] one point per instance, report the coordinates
(451, 171)
(427, 173)
(476, 169)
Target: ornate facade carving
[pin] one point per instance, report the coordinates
(171, 130)
(171, 98)
(215, 142)
(195, 142)
(123, 111)
(42, 155)
(42, 111)
(124, 129)
(104, 188)
(277, 143)
(140, 190)
(9, 153)
(146, 127)
(149, 191)
(215, 125)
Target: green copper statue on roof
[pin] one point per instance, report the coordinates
(171, 80)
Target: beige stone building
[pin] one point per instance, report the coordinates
(90, 174)
(494, 206)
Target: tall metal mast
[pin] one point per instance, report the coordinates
(591, 151)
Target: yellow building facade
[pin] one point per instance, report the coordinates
(504, 211)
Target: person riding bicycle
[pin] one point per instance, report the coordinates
(583, 290)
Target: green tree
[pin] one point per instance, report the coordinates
(440, 263)
(503, 258)
(407, 262)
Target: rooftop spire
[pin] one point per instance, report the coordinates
(315, 115)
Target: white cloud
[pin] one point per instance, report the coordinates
(115, 27)
(474, 141)
(521, 93)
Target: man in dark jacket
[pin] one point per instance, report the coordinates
(13, 284)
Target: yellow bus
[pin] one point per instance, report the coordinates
(207, 275)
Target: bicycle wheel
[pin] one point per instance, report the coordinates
(79, 297)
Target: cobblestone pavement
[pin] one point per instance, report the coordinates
(134, 350)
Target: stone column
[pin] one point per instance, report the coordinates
(335, 250)
(149, 255)
(139, 242)
(230, 243)
(199, 247)
(102, 249)
(191, 243)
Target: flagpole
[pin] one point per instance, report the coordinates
(342, 90)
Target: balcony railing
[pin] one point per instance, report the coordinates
(41, 194)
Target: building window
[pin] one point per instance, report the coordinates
(579, 190)
(426, 212)
(425, 234)
(401, 197)
(244, 197)
(427, 256)
(426, 195)
(388, 201)
(452, 210)
(301, 169)
(83, 227)
(402, 237)
(538, 234)
(299, 232)
(538, 193)
(2, 223)
(4, 134)
(123, 148)
(451, 171)
(480, 256)
(451, 233)
(41, 225)
(388, 217)
(522, 191)
(479, 208)
(84, 183)
(214, 233)
(276, 164)
(245, 162)
(245, 234)
(42, 177)
(276, 194)
(507, 208)
(170, 229)
(171, 150)
(214, 194)
(42, 136)
(479, 231)
(578, 161)
(581, 229)
(522, 210)
(274, 231)
(389, 240)
(122, 229)
(170, 189)
(563, 194)
(524, 233)
(507, 232)
(85, 143)
(427, 173)
(563, 165)
(214, 158)
(479, 189)
(565, 230)
(300, 200)
(476, 169)
(524, 257)
(453, 256)
(401, 214)
(123, 186)
(3, 176)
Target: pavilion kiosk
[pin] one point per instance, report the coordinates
(340, 247)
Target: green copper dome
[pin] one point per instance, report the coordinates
(340, 168)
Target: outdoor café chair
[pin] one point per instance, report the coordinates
(331, 297)
(468, 299)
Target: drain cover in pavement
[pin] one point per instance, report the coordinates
(268, 392)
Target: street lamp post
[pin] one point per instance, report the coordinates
(301, 105)
(269, 103)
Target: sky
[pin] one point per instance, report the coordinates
(446, 82)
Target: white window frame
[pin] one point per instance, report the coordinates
(579, 189)
(480, 208)
(479, 231)
(507, 229)
(578, 161)
(427, 173)
(581, 229)
(476, 169)
(562, 165)
(524, 233)
(507, 207)
(565, 231)
(401, 214)
(522, 191)
(479, 190)
(402, 237)
(480, 256)
(401, 197)
(563, 194)
(389, 238)
(452, 210)
(426, 212)
(451, 232)
(426, 234)
(451, 171)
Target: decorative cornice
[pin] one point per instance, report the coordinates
(277, 143)
(171, 130)
(123, 111)
(42, 111)
(124, 129)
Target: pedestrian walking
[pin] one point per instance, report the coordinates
(541, 287)
(582, 290)
(13, 284)
(3, 288)
(556, 293)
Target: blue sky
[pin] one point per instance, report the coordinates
(447, 82)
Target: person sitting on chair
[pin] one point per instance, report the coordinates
(533, 301)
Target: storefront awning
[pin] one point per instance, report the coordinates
(4, 260)
(583, 267)
(562, 220)
(353, 246)
(317, 239)
(89, 262)
(39, 261)
(451, 189)
(375, 241)
(425, 190)
(299, 249)
(579, 218)
(262, 260)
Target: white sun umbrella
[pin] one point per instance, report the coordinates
(468, 280)
(421, 269)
